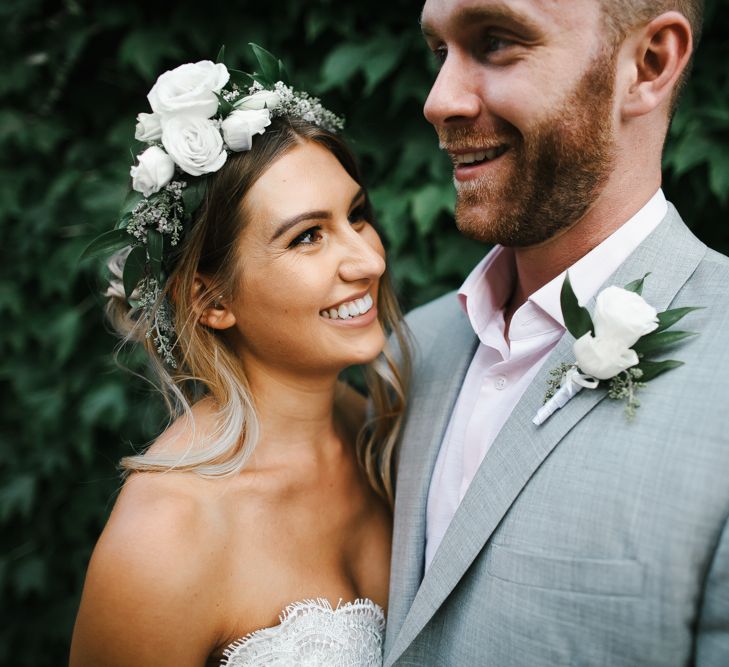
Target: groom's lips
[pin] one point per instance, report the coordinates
(470, 163)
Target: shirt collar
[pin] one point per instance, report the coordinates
(487, 288)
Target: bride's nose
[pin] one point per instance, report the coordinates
(363, 257)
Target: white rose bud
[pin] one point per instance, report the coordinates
(154, 170)
(263, 99)
(148, 128)
(603, 358)
(623, 316)
(240, 126)
(189, 89)
(194, 144)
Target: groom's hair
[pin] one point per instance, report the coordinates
(620, 16)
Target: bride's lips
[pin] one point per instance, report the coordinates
(357, 310)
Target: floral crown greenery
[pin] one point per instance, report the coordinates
(201, 112)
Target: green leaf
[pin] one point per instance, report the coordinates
(427, 204)
(267, 62)
(576, 318)
(155, 246)
(220, 58)
(341, 65)
(637, 285)
(652, 369)
(283, 75)
(130, 201)
(224, 107)
(655, 342)
(259, 79)
(107, 243)
(193, 195)
(134, 269)
(240, 79)
(669, 317)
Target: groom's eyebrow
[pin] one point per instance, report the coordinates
(499, 14)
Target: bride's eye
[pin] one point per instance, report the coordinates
(363, 213)
(309, 237)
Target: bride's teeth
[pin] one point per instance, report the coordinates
(350, 309)
(325, 313)
(368, 301)
(343, 312)
(361, 307)
(333, 314)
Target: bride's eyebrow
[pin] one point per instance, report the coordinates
(288, 223)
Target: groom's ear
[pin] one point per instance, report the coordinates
(214, 309)
(653, 59)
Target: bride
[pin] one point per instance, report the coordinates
(256, 529)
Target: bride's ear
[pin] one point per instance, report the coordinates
(214, 312)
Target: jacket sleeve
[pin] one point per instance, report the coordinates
(712, 640)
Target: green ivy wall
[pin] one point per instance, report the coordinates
(75, 74)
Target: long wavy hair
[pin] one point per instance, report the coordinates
(208, 367)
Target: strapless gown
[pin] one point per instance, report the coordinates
(312, 633)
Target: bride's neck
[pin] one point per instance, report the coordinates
(296, 413)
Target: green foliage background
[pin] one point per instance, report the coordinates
(74, 77)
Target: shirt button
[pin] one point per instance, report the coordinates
(500, 382)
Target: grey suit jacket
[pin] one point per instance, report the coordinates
(589, 540)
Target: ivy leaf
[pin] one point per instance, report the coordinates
(637, 285)
(427, 204)
(268, 63)
(220, 58)
(655, 342)
(134, 269)
(155, 246)
(652, 369)
(107, 243)
(669, 317)
(576, 318)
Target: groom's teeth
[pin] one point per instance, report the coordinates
(350, 309)
(479, 156)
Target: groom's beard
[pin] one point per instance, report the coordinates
(549, 178)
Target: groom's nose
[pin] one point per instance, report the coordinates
(454, 96)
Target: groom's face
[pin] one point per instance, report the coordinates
(523, 104)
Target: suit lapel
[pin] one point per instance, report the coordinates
(448, 360)
(671, 254)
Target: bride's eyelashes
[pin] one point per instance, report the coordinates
(360, 214)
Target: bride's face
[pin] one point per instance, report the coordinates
(311, 267)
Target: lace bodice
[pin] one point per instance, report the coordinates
(312, 633)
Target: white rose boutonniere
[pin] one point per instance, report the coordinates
(195, 144)
(191, 89)
(612, 346)
(240, 126)
(154, 170)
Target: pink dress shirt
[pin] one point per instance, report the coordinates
(504, 366)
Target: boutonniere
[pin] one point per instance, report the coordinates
(612, 348)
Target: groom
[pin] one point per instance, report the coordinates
(591, 539)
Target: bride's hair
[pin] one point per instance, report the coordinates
(208, 367)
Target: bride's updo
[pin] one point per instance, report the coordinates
(204, 364)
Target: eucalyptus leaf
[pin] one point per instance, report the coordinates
(637, 285)
(656, 342)
(134, 269)
(576, 318)
(107, 243)
(267, 62)
(652, 369)
(155, 246)
(669, 317)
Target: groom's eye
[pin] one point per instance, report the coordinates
(440, 55)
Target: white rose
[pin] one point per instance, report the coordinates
(154, 171)
(194, 144)
(189, 89)
(603, 358)
(148, 128)
(623, 316)
(263, 99)
(240, 126)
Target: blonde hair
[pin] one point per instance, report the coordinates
(207, 366)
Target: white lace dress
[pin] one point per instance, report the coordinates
(312, 633)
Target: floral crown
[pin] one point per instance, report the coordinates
(201, 112)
